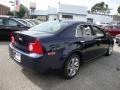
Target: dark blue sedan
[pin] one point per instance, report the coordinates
(59, 45)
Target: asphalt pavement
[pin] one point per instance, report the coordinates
(100, 74)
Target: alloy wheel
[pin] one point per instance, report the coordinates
(73, 66)
(110, 49)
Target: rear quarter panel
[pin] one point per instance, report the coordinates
(58, 49)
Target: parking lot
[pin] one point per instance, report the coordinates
(100, 74)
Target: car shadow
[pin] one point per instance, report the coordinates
(52, 80)
(44, 81)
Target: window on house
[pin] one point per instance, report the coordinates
(90, 20)
(67, 16)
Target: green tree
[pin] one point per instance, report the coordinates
(101, 8)
(21, 12)
(118, 9)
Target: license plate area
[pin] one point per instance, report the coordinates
(17, 56)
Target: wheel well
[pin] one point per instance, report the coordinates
(78, 53)
(75, 52)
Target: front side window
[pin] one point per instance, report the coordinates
(97, 32)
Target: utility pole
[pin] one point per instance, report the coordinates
(32, 7)
(13, 4)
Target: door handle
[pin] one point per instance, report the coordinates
(82, 41)
(98, 39)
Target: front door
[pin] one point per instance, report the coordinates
(89, 44)
(100, 38)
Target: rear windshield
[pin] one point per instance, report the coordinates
(48, 27)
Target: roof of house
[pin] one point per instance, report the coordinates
(72, 9)
(100, 14)
(51, 10)
(40, 12)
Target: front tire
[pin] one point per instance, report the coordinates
(109, 50)
(71, 66)
(118, 44)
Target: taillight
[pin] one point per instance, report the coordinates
(36, 47)
(12, 39)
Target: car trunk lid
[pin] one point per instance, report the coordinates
(23, 39)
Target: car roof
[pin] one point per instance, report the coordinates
(73, 22)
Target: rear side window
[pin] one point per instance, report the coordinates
(84, 30)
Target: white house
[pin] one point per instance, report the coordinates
(41, 15)
(71, 12)
(52, 13)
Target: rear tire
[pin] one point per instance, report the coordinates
(71, 66)
(109, 50)
(118, 44)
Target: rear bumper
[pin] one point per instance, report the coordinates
(32, 61)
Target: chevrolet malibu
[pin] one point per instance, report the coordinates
(59, 45)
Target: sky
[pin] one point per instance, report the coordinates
(43, 4)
